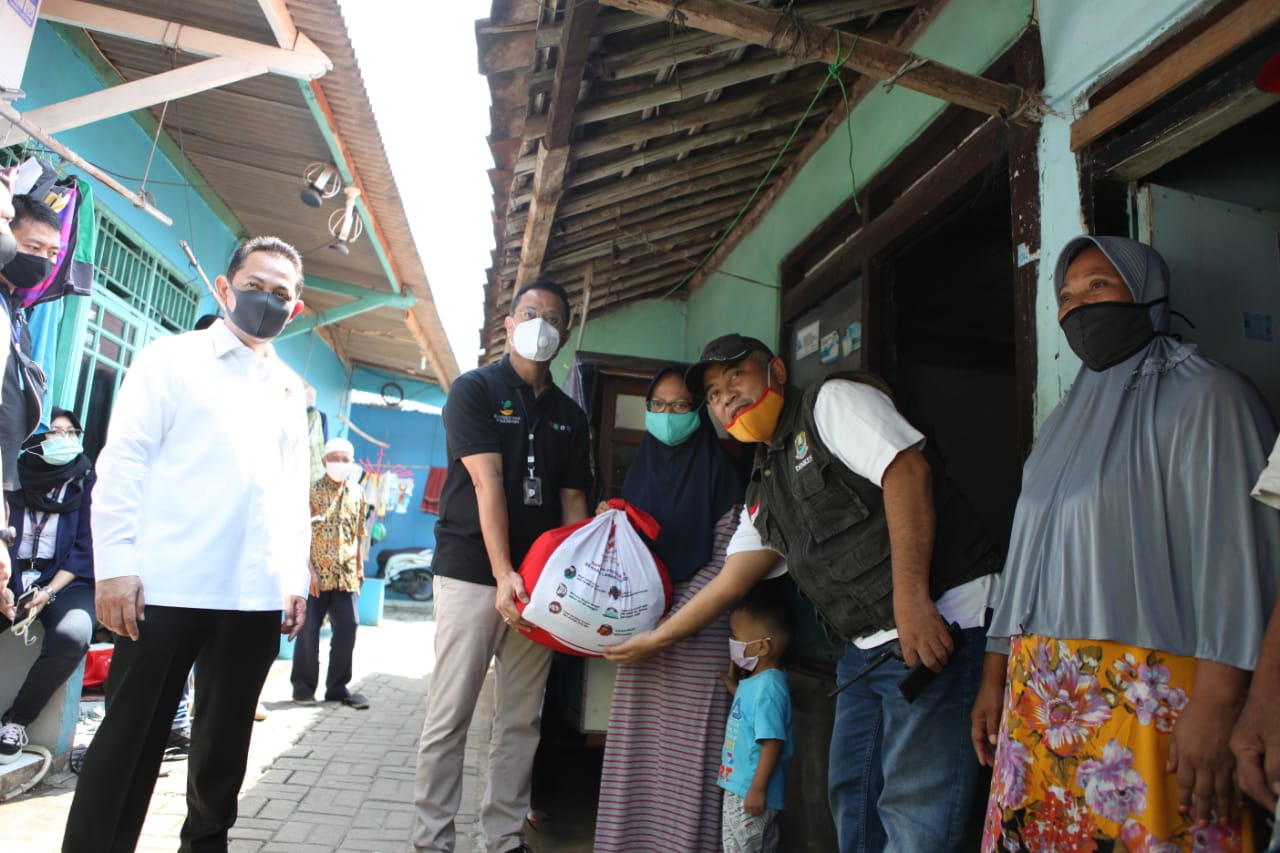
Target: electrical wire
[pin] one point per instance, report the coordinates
(833, 72)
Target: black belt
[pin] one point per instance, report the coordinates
(39, 564)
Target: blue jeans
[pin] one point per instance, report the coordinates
(902, 775)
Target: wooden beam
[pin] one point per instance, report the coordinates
(600, 208)
(658, 153)
(548, 184)
(1221, 39)
(669, 93)
(280, 21)
(906, 34)
(667, 176)
(815, 43)
(139, 94)
(651, 56)
(643, 130)
(553, 150)
(304, 62)
(571, 63)
(604, 228)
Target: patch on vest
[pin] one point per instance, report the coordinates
(802, 450)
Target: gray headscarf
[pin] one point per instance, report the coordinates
(1135, 523)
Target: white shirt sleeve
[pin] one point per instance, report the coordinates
(747, 538)
(140, 418)
(861, 427)
(1268, 488)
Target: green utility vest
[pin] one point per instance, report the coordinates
(830, 525)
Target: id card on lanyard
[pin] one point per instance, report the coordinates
(531, 489)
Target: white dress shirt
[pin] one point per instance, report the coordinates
(203, 483)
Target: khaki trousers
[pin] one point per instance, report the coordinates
(469, 634)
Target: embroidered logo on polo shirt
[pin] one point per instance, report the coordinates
(560, 427)
(506, 413)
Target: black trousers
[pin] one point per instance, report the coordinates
(68, 627)
(232, 651)
(341, 608)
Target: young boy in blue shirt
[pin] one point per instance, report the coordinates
(757, 737)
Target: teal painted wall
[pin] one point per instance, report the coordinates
(312, 359)
(1086, 43)
(653, 329)
(967, 34)
(371, 380)
(417, 441)
(119, 146)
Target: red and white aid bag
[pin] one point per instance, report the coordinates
(595, 583)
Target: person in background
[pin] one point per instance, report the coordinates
(38, 234)
(1139, 580)
(757, 738)
(201, 537)
(8, 251)
(337, 570)
(518, 466)
(52, 556)
(666, 719)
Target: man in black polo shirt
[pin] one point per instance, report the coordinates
(518, 467)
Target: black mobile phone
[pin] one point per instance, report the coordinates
(920, 676)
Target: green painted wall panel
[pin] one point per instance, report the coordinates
(653, 329)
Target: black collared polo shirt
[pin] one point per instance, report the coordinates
(487, 411)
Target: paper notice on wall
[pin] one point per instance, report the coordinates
(830, 348)
(807, 340)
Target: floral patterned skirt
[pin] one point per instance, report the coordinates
(1080, 760)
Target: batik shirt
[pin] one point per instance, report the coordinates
(337, 525)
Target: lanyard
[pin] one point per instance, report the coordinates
(533, 428)
(37, 529)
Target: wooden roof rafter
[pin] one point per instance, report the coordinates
(675, 125)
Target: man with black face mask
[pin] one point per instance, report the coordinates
(8, 248)
(201, 533)
(37, 240)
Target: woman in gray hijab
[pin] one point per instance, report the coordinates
(1139, 580)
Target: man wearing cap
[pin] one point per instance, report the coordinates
(888, 552)
(338, 510)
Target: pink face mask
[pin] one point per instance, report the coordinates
(738, 653)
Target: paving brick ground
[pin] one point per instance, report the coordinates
(321, 778)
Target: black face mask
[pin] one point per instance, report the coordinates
(25, 271)
(8, 248)
(259, 314)
(1106, 333)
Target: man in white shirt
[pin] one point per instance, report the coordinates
(201, 536)
(841, 489)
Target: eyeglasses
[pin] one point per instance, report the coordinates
(555, 318)
(678, 407)
(65, 433)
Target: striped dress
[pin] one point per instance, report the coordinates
(658, 790)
